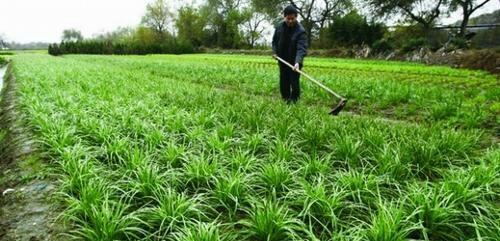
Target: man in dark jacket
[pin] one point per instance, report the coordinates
(290, 44)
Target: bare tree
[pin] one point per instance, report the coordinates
(314, 13)
(225, 18)
(468, 8)
(254, 28)
(121, 34)
(156, 17)
(424, 12)
(71, 35)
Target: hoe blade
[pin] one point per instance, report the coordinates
(337, 109)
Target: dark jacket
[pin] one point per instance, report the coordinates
(298, 44)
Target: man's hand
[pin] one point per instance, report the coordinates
(296, 67)
(275, 56)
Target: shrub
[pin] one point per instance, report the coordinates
(107, 47)
(457, 43)
(481, 59)
(414, 44)
(352, 29)
(54, 50)
(382, 46)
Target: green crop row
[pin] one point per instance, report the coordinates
(373, 93)
(181, 148)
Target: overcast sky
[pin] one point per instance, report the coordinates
(488, 8)
(44, 20)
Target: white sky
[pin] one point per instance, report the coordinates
(491, 6)
(43, 21)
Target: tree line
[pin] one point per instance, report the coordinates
(244, 24)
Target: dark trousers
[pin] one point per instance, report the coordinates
(289, 84)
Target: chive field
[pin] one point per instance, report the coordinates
(201, 147)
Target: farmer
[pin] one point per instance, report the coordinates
(290, 44)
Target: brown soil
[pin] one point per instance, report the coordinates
(27, 211)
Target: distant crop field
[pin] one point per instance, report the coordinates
(201, 147)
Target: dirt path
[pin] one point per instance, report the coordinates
(27, 212)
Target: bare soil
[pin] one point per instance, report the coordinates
(27, 209)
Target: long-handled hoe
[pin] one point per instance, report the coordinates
(337, 106)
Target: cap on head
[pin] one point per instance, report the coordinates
(290, 9)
